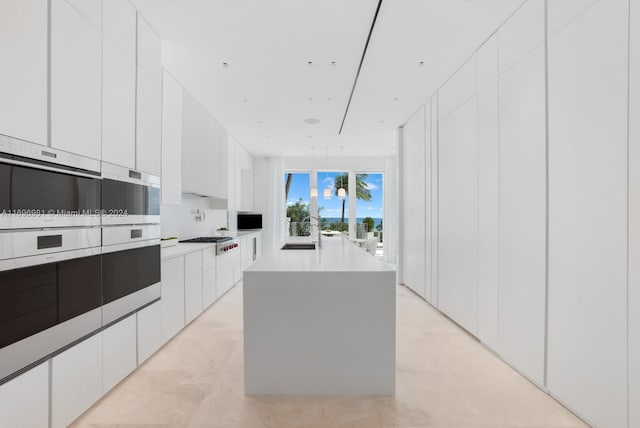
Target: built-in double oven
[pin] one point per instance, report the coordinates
(72, 259)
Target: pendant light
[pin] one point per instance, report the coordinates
(342, 192)
(327, 191)
(314, 190)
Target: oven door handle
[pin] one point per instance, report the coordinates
(47, 168)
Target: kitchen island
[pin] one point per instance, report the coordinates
(319, 322)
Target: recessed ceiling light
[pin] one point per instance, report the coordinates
(421, 64)
(329, 99)
(311, 121)
(225, 64)
(309, 62)
(245, 100)
(333, 63)
(396, 99)
(309, 136)
(310, 98)
(267, 137)
(382, 121)
(258, 122)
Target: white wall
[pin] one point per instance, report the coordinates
(535, 197)
(179, 220)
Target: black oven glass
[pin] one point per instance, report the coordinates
(134, 199)
(125, 272)
(249, 221)
(33, 299)
(25, 188)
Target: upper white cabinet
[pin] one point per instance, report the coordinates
(24, 401)
(149, 100)
(119, 83)
(23, 87)
(76, 75)
(204, 151)
(171, 141)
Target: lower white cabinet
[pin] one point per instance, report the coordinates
(192, 286)
(172, 301)
(76, 381)
(208, 276)
(149, 331)
(24, 401)
(119, 349)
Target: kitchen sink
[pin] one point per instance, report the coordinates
(299, 246)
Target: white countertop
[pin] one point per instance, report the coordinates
(336, 255)
(183, 248)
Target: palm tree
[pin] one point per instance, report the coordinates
(362, 190)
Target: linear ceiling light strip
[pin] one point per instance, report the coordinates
(364, 53)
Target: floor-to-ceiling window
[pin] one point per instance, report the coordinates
(369, 211)
(297, 187)
(333, 204)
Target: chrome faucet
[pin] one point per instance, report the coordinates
(319, 241)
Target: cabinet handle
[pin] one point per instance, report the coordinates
(49, 241)
(136, 233)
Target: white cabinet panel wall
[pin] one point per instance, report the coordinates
(208, 276)
(172, 297)
(634, 219)
(433, 206)
(562, 13)
(76, 381)
(24, 401)
(458, 215)
(488, 202)
(587, 339)
(119, 83)
(149, 100)
(459, 88)
(119, 347)
(90, 9)
(192, 286)
(413, 170)
(23, 87)
(76, 75)
(171, 141)
(149, 331)
(522, 33)
(522, 293)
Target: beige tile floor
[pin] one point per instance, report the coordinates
(445, 378)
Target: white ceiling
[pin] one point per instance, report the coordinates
(268, 89)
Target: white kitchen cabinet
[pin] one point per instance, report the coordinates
(227, 265)
(90, 9)
(76, 381)
(246, 251)
(521, 34)
(634, 219)
(588, 214)
(119, 84)
(24, 401)
(208, 276)
(23, 87)
(149, 100)
(562, 13)
(76, 75)
(192, 286)
(458, 215)
(413, 225)
(119, 347)
(171, 141)
(118, 106)
(488, 192)
(204, 152)
(258, 245)
(432, 207)
(172, 301)
(149, 331)
(459, 88)
(523, 158)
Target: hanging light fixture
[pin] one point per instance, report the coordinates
(327, 191)
(342, 192)
(314, 190)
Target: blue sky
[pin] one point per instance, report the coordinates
(333, 207)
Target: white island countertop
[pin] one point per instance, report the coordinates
(336, 255)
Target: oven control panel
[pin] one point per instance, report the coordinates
(227, 247)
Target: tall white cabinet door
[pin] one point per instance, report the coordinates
(76, 69)
(76, 381)
(23, 87)
(192, 286)
(587, 339)
(458, 215)
(413, 256)
(171, 141)
(172, 297)
(149, 101)
(488, 192)
(119, 83)
(523, 163)
(634, 219)
(24, 401)
(119, 347)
